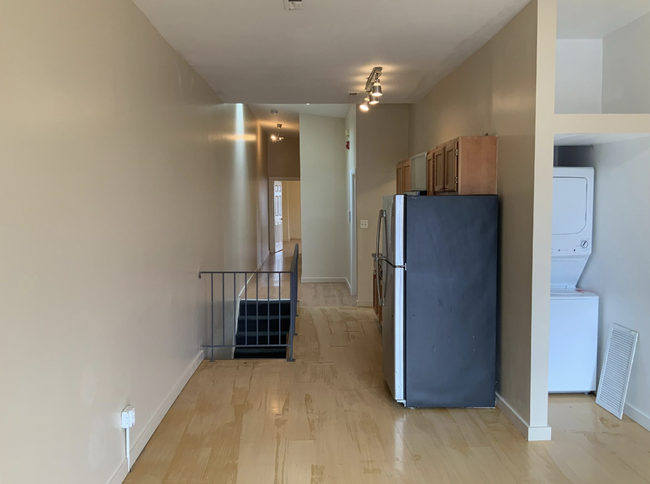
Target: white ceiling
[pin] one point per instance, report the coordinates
(253, 51)
(595, 19)
(590, 139)
(288, 114)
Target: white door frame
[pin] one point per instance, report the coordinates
(273, 179)
(353, 232)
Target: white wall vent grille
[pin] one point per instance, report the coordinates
(615, 373)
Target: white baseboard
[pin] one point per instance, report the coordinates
(642, 418)
(364, 303)
(533, 434)
(311, 280)
(138, 445)
(348, 283)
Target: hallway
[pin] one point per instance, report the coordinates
(329, 418)
(329, 294)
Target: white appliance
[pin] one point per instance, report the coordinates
(574, 312)
(419, 173)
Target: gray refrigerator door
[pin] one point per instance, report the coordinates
(392, 332)
(451, 301)
(393, 312)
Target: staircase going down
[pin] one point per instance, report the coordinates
(263, 323)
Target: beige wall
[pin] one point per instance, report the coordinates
(295, 214)
(121, 176)
(284, 158)
(494, 92)
(382, 141)
(323, 187)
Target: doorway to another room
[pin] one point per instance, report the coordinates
(287, 217)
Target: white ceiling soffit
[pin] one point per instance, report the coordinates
(255, 51)
(592, 139)
(288, 114)
(595, 19)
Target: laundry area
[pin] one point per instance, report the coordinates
(599, 276)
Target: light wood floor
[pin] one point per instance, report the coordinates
(310, 295)
(329, 418)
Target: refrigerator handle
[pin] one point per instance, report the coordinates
(379, 256)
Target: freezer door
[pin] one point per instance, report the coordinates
(451, 297)
(393, 331)
(395, 230)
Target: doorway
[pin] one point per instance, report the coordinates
(285, 213)
(277, 216)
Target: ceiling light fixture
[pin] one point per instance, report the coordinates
(376, 89)
(373, 90)
(277, 137)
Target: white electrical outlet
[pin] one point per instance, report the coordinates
(128, 417)
(364, 224)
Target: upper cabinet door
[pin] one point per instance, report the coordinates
(430, 173)
(406, 176)
(451, 167)
(400, 178)
(439, 170)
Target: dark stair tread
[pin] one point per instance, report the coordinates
(261, 352)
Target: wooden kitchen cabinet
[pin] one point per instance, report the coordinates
(436, 171)
(464, 166)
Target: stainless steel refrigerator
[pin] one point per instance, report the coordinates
(440, 299)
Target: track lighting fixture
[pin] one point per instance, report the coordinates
(277, 137)
(373, 90)
(376, 89)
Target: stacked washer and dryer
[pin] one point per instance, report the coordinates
(574, 311)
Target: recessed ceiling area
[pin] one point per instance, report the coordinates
(255, 51)
(288, 114)
(595, 19)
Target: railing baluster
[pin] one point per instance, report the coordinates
(257, 307)
(279, 309)
(268, 307)
(245, 308)
(234, 302)
(223, 308)
(212, 316)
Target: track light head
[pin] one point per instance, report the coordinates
(365, 107)
(373, 101)
(376, 90)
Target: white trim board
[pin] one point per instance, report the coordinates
(137, 446)
(533, 434)
(311, 280)
(643, 419)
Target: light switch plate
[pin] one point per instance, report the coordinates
(364, 224)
